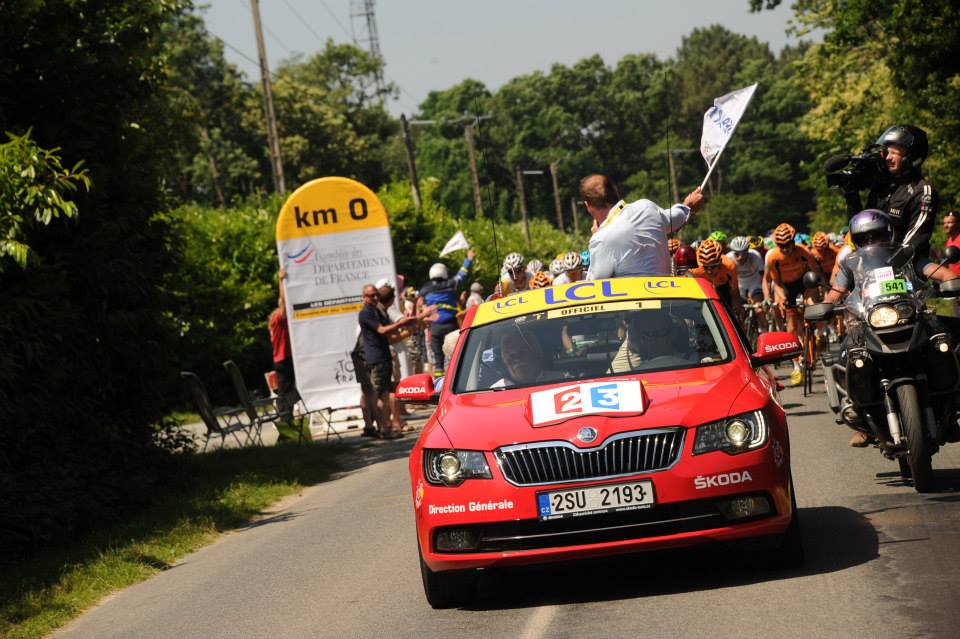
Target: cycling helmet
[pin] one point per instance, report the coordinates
(784, 234)
(912, 139)
(556, 267)
(540, 279)
(585, 257)
(512, 261)
(719, 236)
(439, 272)
(709, 252)
(672, 245)
(685, 258)
(756, 242)
(820, 240)
(871, 224)
(534, 266)
(571, 261)
(739, 244)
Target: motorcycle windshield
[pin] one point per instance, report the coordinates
(875, 280)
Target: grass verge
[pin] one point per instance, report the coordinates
(212, 493)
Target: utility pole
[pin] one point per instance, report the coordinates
(474, 177)
(523, 205)
(556, 194)
(272, 138)
(411, 164)
(573, 212)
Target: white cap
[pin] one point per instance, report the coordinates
(476, 287)
(385, 281)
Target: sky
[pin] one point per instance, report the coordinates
(434, 44)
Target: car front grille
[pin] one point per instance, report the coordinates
(558, 462)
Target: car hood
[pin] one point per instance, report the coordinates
(489, 419)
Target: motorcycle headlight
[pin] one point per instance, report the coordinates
(452, 467)
(883, 316)
(905, 311)
(732, 435)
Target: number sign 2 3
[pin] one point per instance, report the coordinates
(560, 404)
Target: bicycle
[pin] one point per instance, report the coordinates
(751, 323)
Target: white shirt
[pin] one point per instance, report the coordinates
(633, 240)
(562, 278)
(750, 273)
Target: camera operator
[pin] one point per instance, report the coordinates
(892, 171)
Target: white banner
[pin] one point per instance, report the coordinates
(332, 238)
(456, 243)
(720, 120)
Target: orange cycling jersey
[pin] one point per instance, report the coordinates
(826, 258)
(787, 269)
(725, 274)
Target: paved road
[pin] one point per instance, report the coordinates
(340, 561)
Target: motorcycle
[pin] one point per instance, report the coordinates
(897, 374)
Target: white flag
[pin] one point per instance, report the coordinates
(720, 120)
(457, 242)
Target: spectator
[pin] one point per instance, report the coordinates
(951, 224)
(287, 396)
(631, 239)
(375, 329)
(399, 360)
(441, 292)
(476, 295)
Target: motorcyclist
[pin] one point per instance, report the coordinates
(902, 192)
(684, 259)
(867, 228)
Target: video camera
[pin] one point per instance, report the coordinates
(855, 172)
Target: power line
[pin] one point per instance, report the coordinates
(337, 20)
(303, 21)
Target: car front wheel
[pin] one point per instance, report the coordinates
(448, 588)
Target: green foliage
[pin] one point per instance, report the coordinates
(33, 183)
(223, 289)
(423, 235)
(84, 348)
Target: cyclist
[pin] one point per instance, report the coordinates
(534, 266)
(756, 243)
(720, 237)
(788, 262)
(720, 271)
(684, 259)
(540, 279)
(749, 266)
(572, 266)
(513, 276)
(556, 268)
(824, 252)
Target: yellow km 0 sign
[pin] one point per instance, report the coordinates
(330, 205)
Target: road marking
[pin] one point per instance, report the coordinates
(538, 622)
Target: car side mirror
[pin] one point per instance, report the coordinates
(775, 347)
(818, 312)
(417, 388)
(901, 256)
(951, 255)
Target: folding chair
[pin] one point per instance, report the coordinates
(212, 416)
(250, 406)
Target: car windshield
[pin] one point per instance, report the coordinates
(591, 341)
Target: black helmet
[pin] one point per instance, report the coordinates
(913, 139)
(871, 224)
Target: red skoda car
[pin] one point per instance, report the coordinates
(595, 418)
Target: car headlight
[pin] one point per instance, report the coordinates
(732, 435)
(452, 467)
(883, 316)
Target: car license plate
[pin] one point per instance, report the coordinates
(595, 500)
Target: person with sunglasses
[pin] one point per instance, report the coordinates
(721, 271)
(514, 277)
(788, 262)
